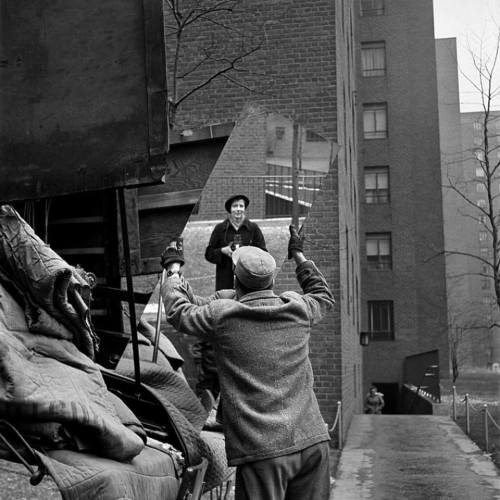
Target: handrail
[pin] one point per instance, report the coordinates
(338, 421)
(487, 416)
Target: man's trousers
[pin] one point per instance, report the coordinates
(304, 475)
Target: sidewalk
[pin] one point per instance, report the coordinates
(389, 457)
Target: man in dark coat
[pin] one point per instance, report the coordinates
(235, 231)
(275, 434)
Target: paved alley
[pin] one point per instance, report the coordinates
(389, 457)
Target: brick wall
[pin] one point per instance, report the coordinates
(240, 168)
(293, 71)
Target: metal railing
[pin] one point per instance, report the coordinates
(487, 417)
(279, 193)
(422, 372)
(337, 425)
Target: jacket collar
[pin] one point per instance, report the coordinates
(259, 294)
(246, 223)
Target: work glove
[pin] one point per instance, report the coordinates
(296, 241)
(173, 253)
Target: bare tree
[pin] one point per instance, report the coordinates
(466, 326)
(205, 44)
(477, 188)
(487, 160)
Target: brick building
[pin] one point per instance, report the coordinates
(388, 275)
(403, 274)
(481, 341)
(304, 72)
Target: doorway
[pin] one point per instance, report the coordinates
(391, 397)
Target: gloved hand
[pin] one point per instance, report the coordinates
(173, 253)
(296, 241)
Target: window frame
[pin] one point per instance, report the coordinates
(377, 196)
(371, 110)
(370, 48)
(376, 8)
(381, 334)
(379, 261)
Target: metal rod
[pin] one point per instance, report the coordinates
(467, 419)
(454, 406)
(486, 443)
(341, 426)
(158, 320)
(130, 287)
(295, 173)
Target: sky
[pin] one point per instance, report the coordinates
(470, 22)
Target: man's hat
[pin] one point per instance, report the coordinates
(229, 201)
(254, 267)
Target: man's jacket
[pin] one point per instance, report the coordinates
(261, 344)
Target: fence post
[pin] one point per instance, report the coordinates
(340, 424)
(467, 419)
(486, 427)
(454, 405)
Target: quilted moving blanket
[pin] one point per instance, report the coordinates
(49, 385)
(50, 289)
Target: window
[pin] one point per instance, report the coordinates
(483, 235)
(485, 283)
(481, 204)
(375, 121)
(380, 320)
(480, 187)
(378, 250)
(373, 59)
(479, 172)
(482, 219)
(479, 154)
(372, 7)
(377, 185)
(280, 133)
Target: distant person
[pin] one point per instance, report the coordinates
(374, 401)
(275, 435)
(235, 231)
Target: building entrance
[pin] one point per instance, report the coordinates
(391, 397)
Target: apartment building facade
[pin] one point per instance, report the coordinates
(481, 338)
(403, 268)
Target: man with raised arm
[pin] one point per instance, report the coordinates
(275, 434)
